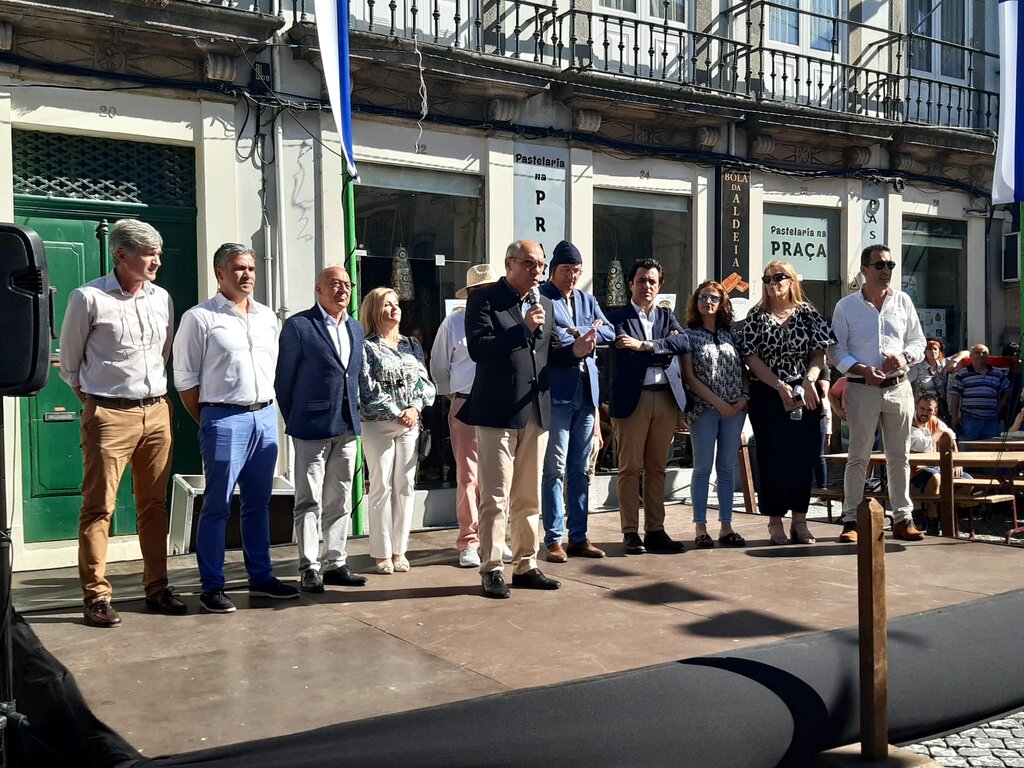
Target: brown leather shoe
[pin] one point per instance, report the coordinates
(849, 534)
(583, 549)
(906, 531)
(102, 614)
(556, 554)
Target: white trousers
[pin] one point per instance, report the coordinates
(866, 408)
(390, 453)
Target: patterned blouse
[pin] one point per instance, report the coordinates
(786, 349)
(717, 358)
(393, 379)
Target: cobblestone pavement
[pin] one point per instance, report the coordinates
(999, 744)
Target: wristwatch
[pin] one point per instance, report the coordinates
(811, 378)
(647, 346)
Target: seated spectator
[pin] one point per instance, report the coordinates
(924, 436)
(978, 394)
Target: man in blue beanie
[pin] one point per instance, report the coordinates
(574, 400)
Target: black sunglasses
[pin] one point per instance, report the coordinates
(880, 265)
(709, 298)
(778, 277)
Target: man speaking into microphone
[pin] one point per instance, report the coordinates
(509, 332)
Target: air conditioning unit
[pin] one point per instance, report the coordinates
(1011, 257)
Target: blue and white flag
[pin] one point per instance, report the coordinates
(332, 29)
(1008, 184)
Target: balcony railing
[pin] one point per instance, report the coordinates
(888, 80)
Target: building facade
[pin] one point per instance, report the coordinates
(711, 137)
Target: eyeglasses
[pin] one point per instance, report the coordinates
(570, 270)
(536, 266)
(709, 298)
(338, 285)
(880, 265)
(778, 277)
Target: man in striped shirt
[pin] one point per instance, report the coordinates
(977, 396)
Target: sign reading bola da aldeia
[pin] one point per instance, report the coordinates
(539, 193)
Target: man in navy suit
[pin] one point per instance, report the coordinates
(574, 401)
(317, 388)
(510, 334)
(643, 409)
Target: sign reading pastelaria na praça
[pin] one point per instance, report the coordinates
(539, 193)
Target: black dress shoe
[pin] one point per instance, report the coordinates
(343, 577)
(661, 543)
(494, 585)
(167, 602)
(311, 581)
(632, 544)
(534, 579)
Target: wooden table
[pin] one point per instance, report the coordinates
(946, 460)
(995, 444)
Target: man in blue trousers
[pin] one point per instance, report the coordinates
(574, 401)
(224, 358)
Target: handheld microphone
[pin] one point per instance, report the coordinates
(533, 298)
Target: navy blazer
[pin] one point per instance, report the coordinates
(511, 363)
(629, 368)
(317, 395)
(564, 381)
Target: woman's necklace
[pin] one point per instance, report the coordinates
(783, 314)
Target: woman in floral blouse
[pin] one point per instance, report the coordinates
(714, 373)
(394, 388)
(785, 340)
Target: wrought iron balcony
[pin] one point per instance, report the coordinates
(763, 50)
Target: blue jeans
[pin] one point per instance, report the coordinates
(238, 447)
(973, 428)
(570, 440)
(708, 432)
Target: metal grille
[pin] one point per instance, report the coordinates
(86, 168)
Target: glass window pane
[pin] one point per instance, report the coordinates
(919, 20)
(952, 26)
(934, 274)
(825, 33)
(627, 6)
(783, 25)
(675, 10)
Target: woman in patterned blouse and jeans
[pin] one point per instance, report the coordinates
(785, 339)
(394, 388)
(714, 373)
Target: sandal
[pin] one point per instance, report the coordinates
(777, 532)
(732, 540)
(385, 566)
(703, 541)
(801, 535)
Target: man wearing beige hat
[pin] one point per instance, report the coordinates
(453, 370)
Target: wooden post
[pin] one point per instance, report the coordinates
(747, 477)
(947, 503)
(874, 651)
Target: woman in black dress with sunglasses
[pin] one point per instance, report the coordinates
(785, 338)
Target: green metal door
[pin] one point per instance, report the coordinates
(50, 434)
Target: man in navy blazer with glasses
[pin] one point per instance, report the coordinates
(643, 408)
(317, 385)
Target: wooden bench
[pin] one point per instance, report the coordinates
(963, 497)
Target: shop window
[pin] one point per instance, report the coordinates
(935, 277)
(633, 225)
(433, 215)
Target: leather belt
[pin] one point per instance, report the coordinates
(891, 382)
(460, 396)
(655, 387)
(233, 407)
(125, 402)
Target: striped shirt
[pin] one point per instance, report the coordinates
(979, 392)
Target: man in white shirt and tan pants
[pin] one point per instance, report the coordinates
(114, 345)
(224, 362)
(878, 338)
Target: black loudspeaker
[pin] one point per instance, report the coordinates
(25, 311)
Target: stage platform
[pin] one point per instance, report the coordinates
(405, 641)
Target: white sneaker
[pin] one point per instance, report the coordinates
(469, 558)
(506, 554)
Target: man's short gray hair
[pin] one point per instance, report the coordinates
(132, 235)
(228, 251)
